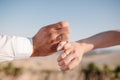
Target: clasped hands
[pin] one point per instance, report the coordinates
(55, 37)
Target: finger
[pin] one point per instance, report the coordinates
(67, 46)
(56, 41)
(68, 58)
(62, 37)
(60, 45)
(60, 63)
(58, 25)
(63, 34)
(53, 46)
(71, 65)
(63, 30)
(63, 24)
(61, 57)
(64, 45)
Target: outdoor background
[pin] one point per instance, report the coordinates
(86, 18)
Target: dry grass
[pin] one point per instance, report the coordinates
(47, 68)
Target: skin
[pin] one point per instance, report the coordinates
(74, 51)
(47, 38)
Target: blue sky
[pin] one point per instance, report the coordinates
(86, 17)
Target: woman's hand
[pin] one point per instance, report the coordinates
(72, 55)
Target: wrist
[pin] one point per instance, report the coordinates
(34, 53)
(38, 48)
(87, 46)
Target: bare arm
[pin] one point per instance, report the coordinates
(102, 40)
(74, 51)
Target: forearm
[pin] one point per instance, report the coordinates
(101, 40)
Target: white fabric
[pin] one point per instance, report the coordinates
(15, 48)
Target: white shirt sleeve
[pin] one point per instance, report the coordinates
(15, 48)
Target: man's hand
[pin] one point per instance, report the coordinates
(72, 55)
(45, 42)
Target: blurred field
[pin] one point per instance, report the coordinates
(47, 69)
(111, 59)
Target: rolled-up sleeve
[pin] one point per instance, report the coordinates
(15, 48)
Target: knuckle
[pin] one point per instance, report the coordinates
(67, 30)
(61, 58)
(46, 28)
(63, 23)
(68, 67)
(73, 51)
(50, 34)
(64, 62)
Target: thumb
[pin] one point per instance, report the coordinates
(61, 45)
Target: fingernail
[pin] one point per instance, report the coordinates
(66, 53)
(60, 45)
(58, 48)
